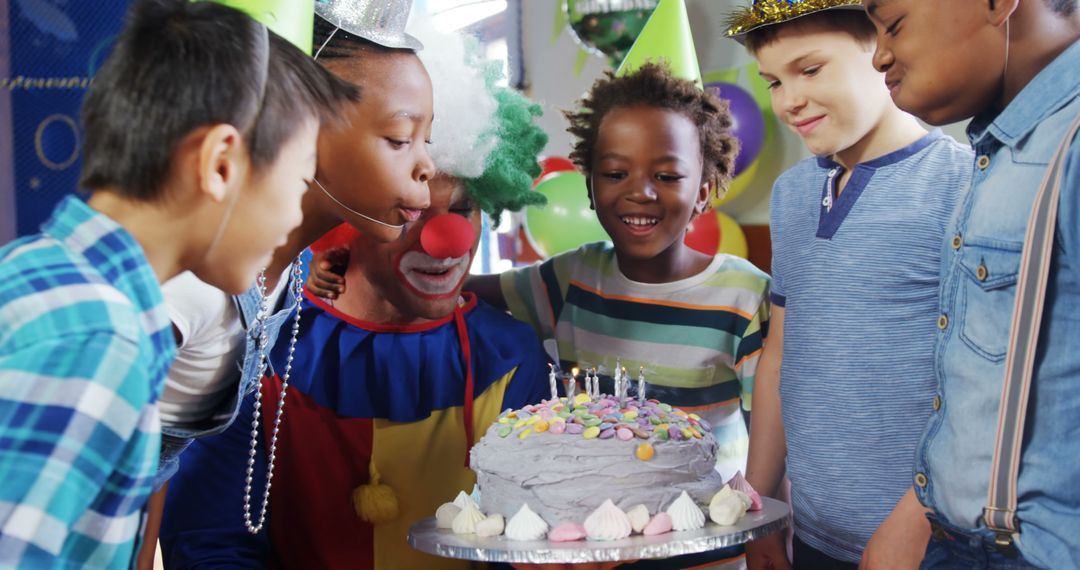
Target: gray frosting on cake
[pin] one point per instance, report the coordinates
(565, 477)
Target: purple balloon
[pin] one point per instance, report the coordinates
(749, 123)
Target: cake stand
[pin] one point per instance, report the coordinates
(773, 517)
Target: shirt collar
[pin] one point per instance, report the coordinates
(1054, 86)
(892, 157)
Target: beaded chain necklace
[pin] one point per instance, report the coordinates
(296, 287)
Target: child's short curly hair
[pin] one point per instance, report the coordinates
(653, 85)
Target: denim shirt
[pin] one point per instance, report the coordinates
(980, 261)
(175, 440)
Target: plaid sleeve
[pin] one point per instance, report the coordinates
(750, 347)
(68, 407)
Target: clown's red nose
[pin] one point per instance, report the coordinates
(447, 235)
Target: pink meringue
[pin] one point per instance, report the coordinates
(660, 524)
(567, 532)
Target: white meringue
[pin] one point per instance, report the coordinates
(526, 525)
(465, 521)
(685, 514)
(491, 526)
(444, 515)
(607, 522)
(639, 517)
(728, 506)
(461, 500)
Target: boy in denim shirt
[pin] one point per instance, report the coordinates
(856, 231)
(1014, 67)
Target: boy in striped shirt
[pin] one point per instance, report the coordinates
(85, 340)
(652, 147)
(856, 233)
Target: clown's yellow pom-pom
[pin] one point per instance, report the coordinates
(374, 502)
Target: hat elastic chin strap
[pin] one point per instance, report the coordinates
(352, 211)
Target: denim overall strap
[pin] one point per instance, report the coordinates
(1000, 512)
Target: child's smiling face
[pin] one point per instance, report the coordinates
(647, 180)
(823, 86)
(943, 61)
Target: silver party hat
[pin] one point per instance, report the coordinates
(379, 21)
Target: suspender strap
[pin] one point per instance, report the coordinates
(1000, 512)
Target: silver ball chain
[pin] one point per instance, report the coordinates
(297, 289)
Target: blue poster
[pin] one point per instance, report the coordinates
(53, 49)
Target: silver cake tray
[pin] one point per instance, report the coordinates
(773, 517)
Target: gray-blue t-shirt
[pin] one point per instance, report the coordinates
(859, 285)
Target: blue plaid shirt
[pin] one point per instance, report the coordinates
(85, 342)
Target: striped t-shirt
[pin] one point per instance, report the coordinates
(859, 286)
(699, 338)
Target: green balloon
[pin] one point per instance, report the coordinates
(608, 27)
(566, 222)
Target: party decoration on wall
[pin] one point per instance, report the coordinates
(748, 124)
(51, 52)
(608, 27)
(666, 37)
(566, 222)
(732, 238)
(293, 20)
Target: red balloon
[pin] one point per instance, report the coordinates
(552, 164)
(703, 233)
(447, 235)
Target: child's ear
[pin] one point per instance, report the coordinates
(223, 161)
(1000, 11)
(704, 193)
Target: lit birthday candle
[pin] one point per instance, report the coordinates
(573, 377)
(571, 389)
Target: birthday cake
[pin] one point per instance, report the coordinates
(565, 463)
(596, 466)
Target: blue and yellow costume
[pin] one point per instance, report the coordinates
(359, 394)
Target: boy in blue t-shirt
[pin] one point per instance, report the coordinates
(856, 233)
(1014, 69)
(200, 131)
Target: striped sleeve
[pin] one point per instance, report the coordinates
(535, 294)
(749, 348)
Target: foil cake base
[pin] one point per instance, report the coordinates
(773, 517)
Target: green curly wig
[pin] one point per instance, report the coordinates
(506, 183)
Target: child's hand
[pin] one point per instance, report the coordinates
(769, 553)
(326, 278)
(900, 542)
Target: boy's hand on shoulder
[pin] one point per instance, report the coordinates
(900, 542)
(769, 553)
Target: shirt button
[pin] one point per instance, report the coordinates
(983, 162)
(937, 403)
(980, 272)
(920, 480)
(957, 241)
(943, 322)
